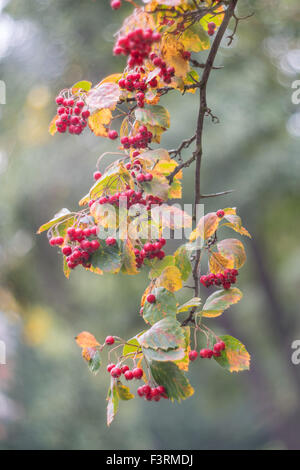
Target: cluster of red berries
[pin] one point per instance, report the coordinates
(152, 393)
(72, 115)
(133, 82)
(150, 250)
(56, 241)
(116, 4)
(116, 372)
(85, 247)
(207, 353)
(166, 73)
(137, 45)
(139, 141)
(225, 279)
(211, 28)
(132, 197)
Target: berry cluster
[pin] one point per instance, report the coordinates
(166, 73)
(130, 197)
(225, 279)
(133, 82)
(150, 250)
(152, 393)
(116, 372)
(72, 115)
(56, 241)
(137, 45)
(211, 28)
(207, 353)
(83, 246)
(139, 141)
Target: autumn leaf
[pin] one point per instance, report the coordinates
(233, 249)
(98, 121)
(172, 52)
(218, 263)
(52, 126)
(104, 96)
(173, 379)
(86, 340)
(235, 357)
(164, 306)
(170, 278)
(206, 227)
(220, 301)
(165, 334)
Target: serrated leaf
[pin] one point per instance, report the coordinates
(220, 301)
(182, 261)
(165, 334)
(235, 357)
(173, 379)
(193, 303)
(165, 306)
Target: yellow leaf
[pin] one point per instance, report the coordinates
(98, 120)
(218, 263)
(172, 53)
(129, 260)
(170, 279)
(206, 227)
(234, 250)
(52, 126)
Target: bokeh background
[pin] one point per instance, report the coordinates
(48, 398)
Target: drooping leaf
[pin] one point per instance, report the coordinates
(123, 392)
(235, 223)
(183, 363)
(165, 334)
(94, 362)
(235, 357)
(113, 402)
(220, 301)
(172, 378)
(164, 306)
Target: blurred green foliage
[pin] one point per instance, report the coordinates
(49, 398)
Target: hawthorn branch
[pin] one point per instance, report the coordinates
(203, 109)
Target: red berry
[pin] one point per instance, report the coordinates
(146, 389)
(128, 375)
(161, 389)
(116, 372)
(112, 135)
(97, 175)
(109, 340)
(110, 367)
(52, 241)
(85, 114)
(124, 369)
(67, 250)
(59, 99)
(95, 245)
(220, 213)
(140, 391)
(151, 298)
(110, 241)
(115, 4)
(137, 373)
(193, 355)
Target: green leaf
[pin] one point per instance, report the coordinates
(107, 258)
(235, 357)
(160, 355)
(155, 115)
(82, 85)
(132, 346)
(165, 306)
(165, 334)
(113, 402)
(95, 362)
(220, 301)
(182, 261)
(62, 215)
(194, 302)
(123, 392)
(170, 376)
(159, 265)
